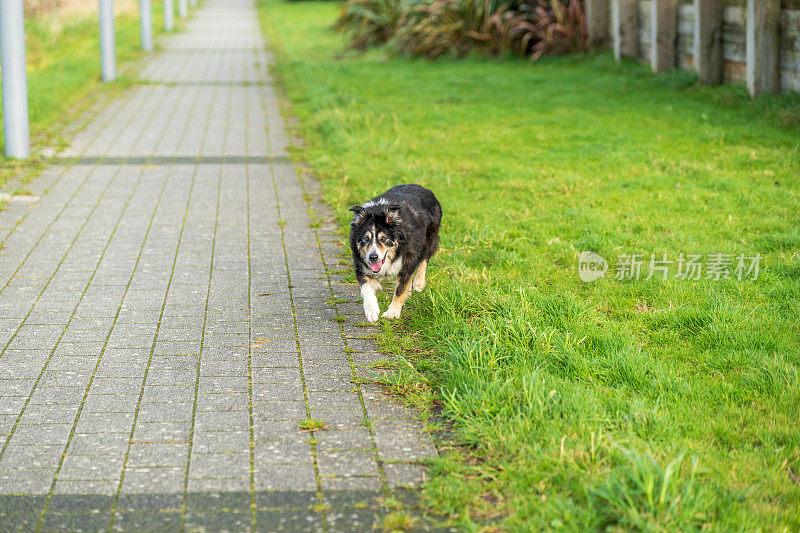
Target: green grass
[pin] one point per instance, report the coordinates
(63, 58)
(312, 424)
(655, 405)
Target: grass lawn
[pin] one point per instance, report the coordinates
(646, 404)
(63, 57)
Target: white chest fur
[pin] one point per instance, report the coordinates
(390, 269)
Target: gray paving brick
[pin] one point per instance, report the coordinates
(283, 452)
(92, 444)
(223, 401)
(273, 410)
(26, 480)
(162, 432)
(285, 478)
(153, 480)
(168, 393)
(351, 483)
(104, 423)
(94, 467)
(402, 440)
(79, 348)
(49, 414)
(59, 378)
(109, 385)
(276, 430)
(347, 463)
(277, 391)
(340, 418)
(222, 421)
(72, 363)
(110, 403)
(165, 412)
(405, 474)
(157, 454)
(41, 434)
(85, 486)
(221, 442)
(35, 456)
(17, 386)
(219, 465)
(227, 484)
(334, 400)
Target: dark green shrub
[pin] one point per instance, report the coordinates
(371, 22)
(432, 28)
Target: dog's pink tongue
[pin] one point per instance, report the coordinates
(376, 266)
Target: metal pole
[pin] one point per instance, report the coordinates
(169, 20)
(183, 9)
(146, 24)
(15, 82)
(107, 52)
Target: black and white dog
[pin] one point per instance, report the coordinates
(392, 236)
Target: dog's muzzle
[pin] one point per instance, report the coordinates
(374, 264)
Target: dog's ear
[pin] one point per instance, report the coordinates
(358, 216)
(393, 214)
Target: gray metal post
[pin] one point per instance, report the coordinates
(146, 24)
(183, 9)
(169, 18)
(107, 48)
(15, 82)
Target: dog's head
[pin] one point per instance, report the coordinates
(375, 233)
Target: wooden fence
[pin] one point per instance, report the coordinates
(758, 44)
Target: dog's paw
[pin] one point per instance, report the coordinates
(372, 312)
(391, 313)
(418, 285)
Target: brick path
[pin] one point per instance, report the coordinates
(168, 316)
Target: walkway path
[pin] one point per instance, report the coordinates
(168, 316)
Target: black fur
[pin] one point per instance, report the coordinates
(411, 216)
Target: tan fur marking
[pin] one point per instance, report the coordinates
(419, 277)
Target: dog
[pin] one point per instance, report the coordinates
(393, 236)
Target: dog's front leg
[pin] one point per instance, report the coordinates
(401, 294)
(371, 309)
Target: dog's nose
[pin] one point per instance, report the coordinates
(373, 257)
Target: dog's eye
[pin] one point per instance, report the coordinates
(365, 239)
(384, 239)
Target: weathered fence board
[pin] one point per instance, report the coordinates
(734, 27)
(707, 50)
(624, 24)
(597, 13)
(790, 50)
(645, 33)
(664, 21)
(763, 46)
(732, 35)
(686, 36)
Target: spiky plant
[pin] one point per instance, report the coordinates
(370, 22)
(556, 27)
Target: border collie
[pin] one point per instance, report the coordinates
(392, 236)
